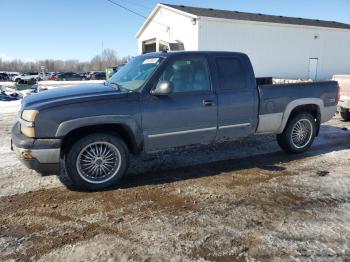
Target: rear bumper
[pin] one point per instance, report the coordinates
(328, 113)
(42, 155)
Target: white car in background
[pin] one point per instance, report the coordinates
(344, 92)
(26, 77)
(44, 76)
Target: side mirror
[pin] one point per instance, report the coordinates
(163, 88)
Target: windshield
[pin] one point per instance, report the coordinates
(133, 75)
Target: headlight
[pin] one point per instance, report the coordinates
(29, 115)
(28, 131)
(27, 122)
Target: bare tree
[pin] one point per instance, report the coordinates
(108, 58)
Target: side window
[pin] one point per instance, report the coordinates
(187, 75)
(231, 74)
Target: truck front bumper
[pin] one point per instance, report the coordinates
(42, 155)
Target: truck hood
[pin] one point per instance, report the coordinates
(66, 95)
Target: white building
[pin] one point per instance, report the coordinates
(278, 46)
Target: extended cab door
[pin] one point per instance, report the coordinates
(186, 116)
(237, 96)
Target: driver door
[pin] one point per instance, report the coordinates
(186, 116)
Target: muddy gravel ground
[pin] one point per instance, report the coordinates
(234, 201)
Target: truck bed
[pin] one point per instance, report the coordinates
(277, 100)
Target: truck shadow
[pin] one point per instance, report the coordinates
(328, 142)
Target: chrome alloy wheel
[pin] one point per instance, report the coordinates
(98, 162)
(302, 133)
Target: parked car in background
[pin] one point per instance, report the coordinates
(44, 76)
(91, 75)
(25, 77)
(69, 76)
(344, 100)
(160, 101)
(12, 75)
(4, 77)
(99, 76)
(53, 76)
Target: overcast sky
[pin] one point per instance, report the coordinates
(78, 29)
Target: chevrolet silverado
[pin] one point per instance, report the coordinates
(159, 101)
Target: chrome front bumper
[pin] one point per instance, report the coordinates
(41, 160)
(43, 156)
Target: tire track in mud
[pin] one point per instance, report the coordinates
(56, 217)
(258, 207)
(50, 219)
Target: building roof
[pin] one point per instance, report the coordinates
(235, 15)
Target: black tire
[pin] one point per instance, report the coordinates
(74, 162)
(345, 115)
(286, 141)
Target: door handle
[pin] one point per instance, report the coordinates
(208, 103)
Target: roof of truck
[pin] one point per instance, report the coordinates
(179, 53)
(235, 15)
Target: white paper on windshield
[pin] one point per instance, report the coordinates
(151, 61)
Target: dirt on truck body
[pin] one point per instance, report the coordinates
(233, 201)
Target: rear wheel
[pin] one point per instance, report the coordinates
(345, 114)
(97, 161)
(299, 134)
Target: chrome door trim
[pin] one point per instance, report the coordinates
(182, 132)
(234, 126)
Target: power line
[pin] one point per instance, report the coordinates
(135, 13)
(137, 4)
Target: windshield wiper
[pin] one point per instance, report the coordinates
(115, 85)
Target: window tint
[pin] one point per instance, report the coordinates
(231, 74)
(187, 75)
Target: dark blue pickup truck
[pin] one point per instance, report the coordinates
(159, 101)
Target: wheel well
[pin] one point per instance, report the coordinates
(115, 129)
(313, 109)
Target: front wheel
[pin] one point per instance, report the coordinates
(97, 161)
(299, 134)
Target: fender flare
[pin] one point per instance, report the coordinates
(294, 104)
(68, 126)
